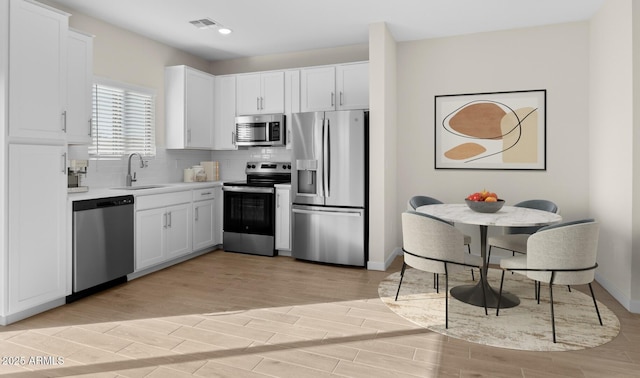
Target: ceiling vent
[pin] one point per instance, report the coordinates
(204, 23)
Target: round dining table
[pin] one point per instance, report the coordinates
(507, 216)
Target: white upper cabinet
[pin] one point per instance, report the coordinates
(189, 103)
(341, 87)
(260, 93)
(317, 89)
(225, 113)
(352, 86)
(79, 82)
(37, 71)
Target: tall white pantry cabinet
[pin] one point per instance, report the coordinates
(33, 57)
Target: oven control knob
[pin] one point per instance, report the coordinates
(248, 166)
(288, 166)
(253, 166)
(284, 166)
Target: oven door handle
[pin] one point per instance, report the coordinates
(247, 189)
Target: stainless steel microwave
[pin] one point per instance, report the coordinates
(261, 130)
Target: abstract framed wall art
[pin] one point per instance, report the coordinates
(499, 130)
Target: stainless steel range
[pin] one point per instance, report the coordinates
(249, 208)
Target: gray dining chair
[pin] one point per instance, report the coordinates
(560, 254)
(434, 245)
(514, 239)
(417, 201)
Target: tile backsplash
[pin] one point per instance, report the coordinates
(168, 165)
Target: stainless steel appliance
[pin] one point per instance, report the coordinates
(103, 243)
(330, 187)
(249, 208)
(261, 130)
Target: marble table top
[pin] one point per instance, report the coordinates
(507, 216)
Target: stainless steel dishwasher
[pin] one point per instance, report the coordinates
(103, 243)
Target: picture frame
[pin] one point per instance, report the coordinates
(492, 131)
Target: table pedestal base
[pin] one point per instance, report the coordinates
(472, 294)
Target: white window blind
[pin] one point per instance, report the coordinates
(123, 121)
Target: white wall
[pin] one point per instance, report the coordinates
(335, 55)
(554, 58)
(383, 229)
(612, 145)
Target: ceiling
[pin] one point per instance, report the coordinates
(265, 27)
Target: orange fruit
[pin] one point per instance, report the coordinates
(491, 199)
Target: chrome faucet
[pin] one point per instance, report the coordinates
(131, 180)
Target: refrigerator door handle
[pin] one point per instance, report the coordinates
(329, 212)
(328, 154)
(326, 158)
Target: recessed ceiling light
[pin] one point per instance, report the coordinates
(223, 30)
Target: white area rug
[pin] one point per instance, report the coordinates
(525, 327)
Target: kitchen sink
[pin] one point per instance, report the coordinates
(140, 187)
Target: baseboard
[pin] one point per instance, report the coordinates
(169, 263)
(631, 305)
(383, 266)
(5, 320)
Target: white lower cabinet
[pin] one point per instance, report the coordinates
(203, 220)
(207, 217)
(170, 225)
(36, 222)
(163, 228)
(283, 218)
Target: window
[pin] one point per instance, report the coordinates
(123, 121)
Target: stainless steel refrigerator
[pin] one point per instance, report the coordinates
(330, 187)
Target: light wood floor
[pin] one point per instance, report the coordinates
(227, 314)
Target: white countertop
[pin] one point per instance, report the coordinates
(163, 188)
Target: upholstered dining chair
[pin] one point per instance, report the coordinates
(417, 201)
(514, 239)
(434, 245)
(562, 254)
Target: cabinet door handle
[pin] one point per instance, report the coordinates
(333, 99)
(261, 103)
(233, 138)
(197, 213)
(205, 194)
(257, 103)
(64, 121)
(64, 162)
(169, 219)
(90, 127)
(341, 98)
(164, 221)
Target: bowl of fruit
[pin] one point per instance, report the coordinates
(484, 202)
